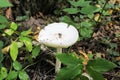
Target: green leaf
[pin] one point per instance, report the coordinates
(88, 10)
(3, 73)
(17, 66)
(1, 54)
(27, 41)
(9, 31)
(83, 78)
(20, 44)
(71, 10)
(101, 65)
(1, 57)
(1, 44)
(4, 3)
(35, 51)
(69, 59)
(85, 24)
(66, 19)
(14, 51)
(13, 26)
(79, 3)
(70, 73)
(2, 26)
(94, 74)
(22, 18)
(25, 33)
(12, 75)
(2, 18)
(85, 32)
(23, 75)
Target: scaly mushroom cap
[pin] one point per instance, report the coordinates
(59, 35)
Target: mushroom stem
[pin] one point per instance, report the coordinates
(58, 62)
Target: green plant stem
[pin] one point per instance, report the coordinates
(58, 62)
(29, 65)
(102, 10)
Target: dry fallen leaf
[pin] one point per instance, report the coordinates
(96, 17)
(85, 57)
(5, 50)
(8, 13)
(118, 58)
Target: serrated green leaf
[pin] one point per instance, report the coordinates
(2, 18)
(101, 65)
(83, 78)
(28, 43)
(88, 10)
(71, 10)
(13, 26)
(70, 73)
(94, 74)
(35, 51)
(4, 3)
(85, 32)
(25, 33)
(66, 19)
(69, 59)
(17, 66)
(12, 75)
(85, 24)
(79, 3)
(23, 75)
(3, 73)
(14, 51)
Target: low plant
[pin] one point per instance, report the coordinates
(15, 72)
(84, 15)
(14, 40)
(77, 66)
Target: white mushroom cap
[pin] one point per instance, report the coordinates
(58, 35)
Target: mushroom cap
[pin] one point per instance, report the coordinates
(58, 35)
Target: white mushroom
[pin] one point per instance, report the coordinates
(58, 35)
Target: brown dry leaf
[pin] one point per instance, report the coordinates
(35, 37)
(96, 17)
(8, 13)
(85, 56)
(5, 50)
(118, 58)
(40, 15)
(112, 1)
(89, 52)
(118, 1)
(110, 11)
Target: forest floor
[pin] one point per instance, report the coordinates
(105, 42)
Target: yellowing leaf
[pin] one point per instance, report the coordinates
(9, 31)
(14, 51)
(118, 58)
(28, 43)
